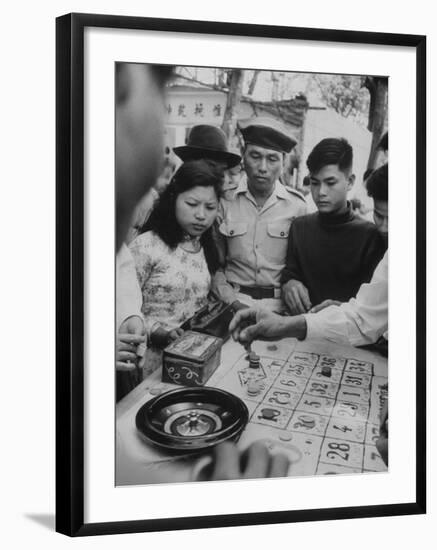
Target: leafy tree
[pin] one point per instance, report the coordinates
(378, 88)
(345, 94)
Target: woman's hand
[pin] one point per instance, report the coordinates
(174, 334)
(161, 338)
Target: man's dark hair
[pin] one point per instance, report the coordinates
(377, 184)
(330, 151)
(163, 221)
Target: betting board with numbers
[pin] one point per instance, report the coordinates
(316, 401)
(321, 408)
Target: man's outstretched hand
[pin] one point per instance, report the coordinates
(256, 324)
(324, 305)
(261, 324)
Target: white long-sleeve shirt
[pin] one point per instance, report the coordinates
(360, 321)
(129, 298)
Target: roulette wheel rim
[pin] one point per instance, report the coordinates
(192, 419)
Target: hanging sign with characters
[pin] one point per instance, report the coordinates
(201, 107)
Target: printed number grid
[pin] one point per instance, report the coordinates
(323, 396)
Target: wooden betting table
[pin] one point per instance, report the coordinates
(325, 424)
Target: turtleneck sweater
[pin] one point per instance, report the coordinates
(332, 254)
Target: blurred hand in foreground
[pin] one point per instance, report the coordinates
(255, 462)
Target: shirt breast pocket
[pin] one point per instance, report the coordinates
(276, 241)
(236, 238)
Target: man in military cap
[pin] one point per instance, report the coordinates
(209, 143)
(254, 226)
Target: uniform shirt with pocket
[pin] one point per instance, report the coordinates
(256, 238)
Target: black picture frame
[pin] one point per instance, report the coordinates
(70, 273)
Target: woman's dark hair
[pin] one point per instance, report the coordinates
(162, 221)
(377, 184)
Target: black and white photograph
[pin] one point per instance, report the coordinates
(218, 331)
(244, 343)
(251, 274)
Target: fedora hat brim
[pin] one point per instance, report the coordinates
(190, 152)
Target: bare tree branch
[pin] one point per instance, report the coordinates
(252, 83)
(205, 84)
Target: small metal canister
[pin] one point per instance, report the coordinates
(191, 359)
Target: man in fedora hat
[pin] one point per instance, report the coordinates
(254, 226)
(209, 143)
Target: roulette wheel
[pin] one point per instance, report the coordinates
(192, 419)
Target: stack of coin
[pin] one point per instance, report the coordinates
(254, 360)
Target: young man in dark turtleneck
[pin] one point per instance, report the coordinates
(333, 251)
